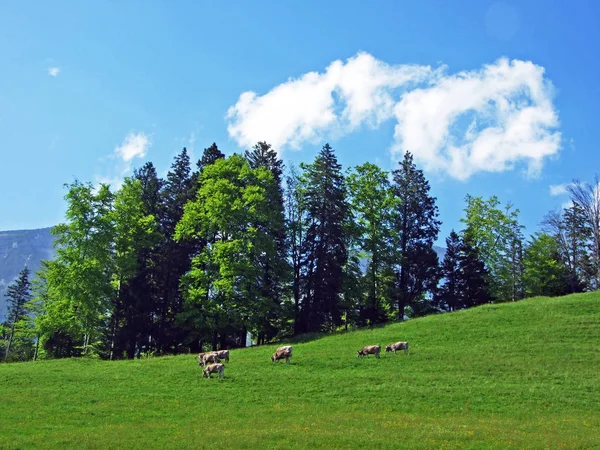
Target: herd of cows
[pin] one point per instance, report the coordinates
(285, 352)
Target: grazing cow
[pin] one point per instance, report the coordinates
(369, 350)
(282, 352)
(223, 354)
(209, 358)
(402, 345)
(212, 368)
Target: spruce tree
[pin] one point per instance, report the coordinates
(209, 156)
(175, 256)
(416, 227)
(464, 276)
(325, 247)
(474, 285)
(447, 297)
(18, 294)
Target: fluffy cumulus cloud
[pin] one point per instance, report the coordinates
(460, 124)
(345, 96)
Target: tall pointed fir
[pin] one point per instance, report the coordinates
(416, 227)
(18, 294)
(325, 252)
(176, 256)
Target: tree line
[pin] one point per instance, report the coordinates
(242, 245)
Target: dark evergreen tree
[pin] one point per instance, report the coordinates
(325, 252)
(175, 256)
(447, 297)
(474, 286)
(417, 228)
(464, 276)
(209, 156)
(18, 294)
(142, 294)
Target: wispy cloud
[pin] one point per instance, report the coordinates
(135, 145)
(559, 189)
(473, 121)
(53, 71)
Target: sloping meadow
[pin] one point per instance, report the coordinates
(518, 375)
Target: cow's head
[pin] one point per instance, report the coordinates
(388, 348)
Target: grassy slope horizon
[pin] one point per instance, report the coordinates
(521, 374)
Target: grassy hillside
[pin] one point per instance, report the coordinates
(520, 375)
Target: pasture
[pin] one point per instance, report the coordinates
(517, 375)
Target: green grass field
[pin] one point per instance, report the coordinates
(518, 375)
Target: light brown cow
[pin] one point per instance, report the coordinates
(214, 368)
(223, 354)
(402, 345)
(282, 352)
(209, 358)
(369, 350)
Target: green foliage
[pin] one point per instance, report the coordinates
(372, 203)
(497, 235)
(545, 274)
(78, 296)
(520, 375)
(230, 211)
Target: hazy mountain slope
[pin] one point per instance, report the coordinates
(18, 249)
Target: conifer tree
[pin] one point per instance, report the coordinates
(175, 256)
(325, 246)
(464, 277)
(18, 294)
(416, 227)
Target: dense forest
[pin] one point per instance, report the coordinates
(243, 245)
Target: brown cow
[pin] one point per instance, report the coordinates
(209, 358)
(212, 368)
(223, 354)
(282, 352)
(369, 350)
(402, 345)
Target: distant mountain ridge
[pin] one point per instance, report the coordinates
(20, 248)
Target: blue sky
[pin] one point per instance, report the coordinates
(491, 97)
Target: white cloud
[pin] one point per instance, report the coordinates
(53, 71)
(483, 120)
(134, 145)
(558, 189)
(304, 109)
(508, 107)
